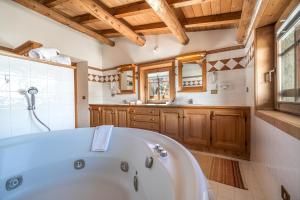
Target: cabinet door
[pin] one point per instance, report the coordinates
(171, 123)
(196, 127)
(228, 130)
(122, 117)
(95, 116)
(108, 116)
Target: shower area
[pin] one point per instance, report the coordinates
(35, 97)
(32, 91)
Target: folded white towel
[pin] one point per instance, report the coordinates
(61, 59)
(101, 138)
(43, 53)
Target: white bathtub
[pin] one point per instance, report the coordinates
(46, 164)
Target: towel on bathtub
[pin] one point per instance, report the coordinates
(101, 138)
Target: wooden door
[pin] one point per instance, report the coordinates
(122, 117)
(95, 116)
(196, 127)
(171, 123)
(108, 116)
(228, 130)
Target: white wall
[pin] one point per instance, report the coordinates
(82, 96)
(19, 24)
(54, 101)
(125, 52)
(234, 96)
(274, 153)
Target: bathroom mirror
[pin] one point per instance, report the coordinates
(192, 73)
(127, 79)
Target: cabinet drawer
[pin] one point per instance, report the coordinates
(145, 125)
(145, 118)
(144, 111)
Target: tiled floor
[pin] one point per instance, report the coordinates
(219, 191)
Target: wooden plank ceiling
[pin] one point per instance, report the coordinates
(134, 18)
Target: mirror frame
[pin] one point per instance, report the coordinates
(123, 68)
(188, 58)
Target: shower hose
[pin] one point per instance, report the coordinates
(40, 120)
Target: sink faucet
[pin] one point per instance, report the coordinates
(190, 101)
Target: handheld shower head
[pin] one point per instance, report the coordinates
(32, 90)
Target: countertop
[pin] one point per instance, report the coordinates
(171, 106)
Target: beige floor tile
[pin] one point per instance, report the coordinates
(243, 195)
(225, 191)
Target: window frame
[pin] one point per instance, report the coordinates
(159, 101)
(143, 85)
(280, 105)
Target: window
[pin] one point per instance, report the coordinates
(288, 65)
(158, 86)
(157, 81)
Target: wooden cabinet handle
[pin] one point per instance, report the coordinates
(212, 115)
(152, 119)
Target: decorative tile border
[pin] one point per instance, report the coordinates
(226, 64)
(192, 83)
(111, 75)
(103, 79)
(217, 65)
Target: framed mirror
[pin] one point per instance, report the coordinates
(127, 79)
(192, 72)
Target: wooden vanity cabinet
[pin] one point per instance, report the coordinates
(95, 116)
(196, 127)
(224, 130)
(228, 130)
(122, 117)
(108, 116)
(171, 123)
(144, 118)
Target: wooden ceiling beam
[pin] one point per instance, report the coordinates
(167, 15)
(183, 3)
(245, 22)
(131, 9)
(118, 12)
(40, 8)
(160, 26)
(24, 48)
(197, 22)
(138, 8)
(213, 20)
(53, 3)
(97, 11)
(85, 19)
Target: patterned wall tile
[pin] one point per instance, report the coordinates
(226, 64)
(216, 65)
(103, 79)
